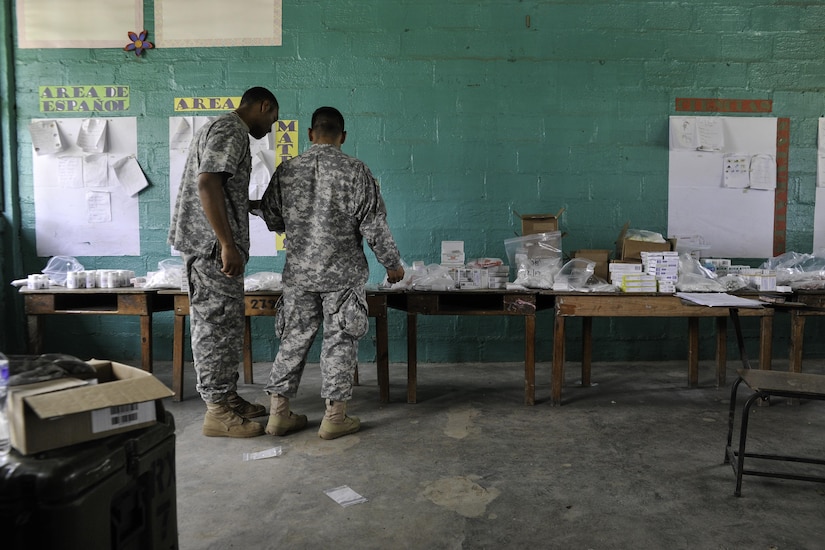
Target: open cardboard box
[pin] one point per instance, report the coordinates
(630, 249)
(57, 413)
(532, 224)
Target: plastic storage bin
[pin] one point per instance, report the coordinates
(118, 493)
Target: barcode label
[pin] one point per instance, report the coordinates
(122, 416)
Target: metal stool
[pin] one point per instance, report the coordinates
(765, 384)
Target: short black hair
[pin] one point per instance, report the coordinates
(258, 93)
(328, 121)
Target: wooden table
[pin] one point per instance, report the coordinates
(811, 304)
(518, 303)
(264, 304)
(58, 300)
(591, 305)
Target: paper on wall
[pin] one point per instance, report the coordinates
(736, 171)
(70, 172)
(92, 135)
(96, 171)
(763, 172)
(45, 136)
(98, 207)
(128, 173)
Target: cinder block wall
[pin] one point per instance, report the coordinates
(466, 111)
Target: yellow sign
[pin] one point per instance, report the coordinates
(286, 140)
(83, 99)
(286, 147)
(189, 104)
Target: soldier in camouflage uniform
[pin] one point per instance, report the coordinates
(327, 202)
(210, 228)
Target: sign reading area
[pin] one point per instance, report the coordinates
(83, 99)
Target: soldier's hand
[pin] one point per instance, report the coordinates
(395, 275)
(232, 263)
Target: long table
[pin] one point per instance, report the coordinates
(264, 304)
(590, 305)
(59, 300)
(517, 303)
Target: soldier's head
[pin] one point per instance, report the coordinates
(259, 110)
(327, 126)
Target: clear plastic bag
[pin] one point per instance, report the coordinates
(263, 280)
(168, 275)
(58, 266)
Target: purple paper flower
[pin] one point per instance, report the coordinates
(139, 42)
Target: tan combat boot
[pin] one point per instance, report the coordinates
(336, 423)
(222, 421)
(281, 420)
(244, 408)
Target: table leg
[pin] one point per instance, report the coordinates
(146, 342)
(247, 351)
(721, 350)
(382, 359)
(693, 352)
(35, 340)
(177, 356)
(558, 360)
(587, 350)
(797, 334)
(765, 342)
(530, 359)
(412, 356)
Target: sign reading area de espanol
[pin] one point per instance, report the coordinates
(83, 99)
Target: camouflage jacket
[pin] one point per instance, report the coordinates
(328, 202)
(222, 145)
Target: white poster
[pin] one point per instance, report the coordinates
(81, 208)
(724, 195)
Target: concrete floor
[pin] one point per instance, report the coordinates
(633, 462)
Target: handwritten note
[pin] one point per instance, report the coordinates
(92, 135)
(128, 173)
(98, 207)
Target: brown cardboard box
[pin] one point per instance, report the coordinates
(601, 257)
(532, 224)
(66, 411)
(629, 249)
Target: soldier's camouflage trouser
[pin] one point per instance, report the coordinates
(300, 314)
(216, 306)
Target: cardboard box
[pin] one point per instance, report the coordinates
(629, 249)
(532, 224)
(601, 257)
(66, 411)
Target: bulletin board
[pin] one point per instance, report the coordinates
(86, 184)
(181, 131)
(722, 183)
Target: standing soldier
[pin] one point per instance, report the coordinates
(327, 202)
(210, 228)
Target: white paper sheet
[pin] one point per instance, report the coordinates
(92, 135)
(92, 220)
(87, 24)
(46, 139)
(718, 299)
(128, 173)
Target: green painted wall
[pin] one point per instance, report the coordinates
(466, 110)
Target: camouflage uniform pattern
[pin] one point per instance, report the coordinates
(216, 310)
(220, 146)
(327, 203)
(216, 301)
(344, 314)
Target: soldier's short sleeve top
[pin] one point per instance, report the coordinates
(222, 145)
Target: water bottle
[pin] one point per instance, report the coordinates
(5, 444)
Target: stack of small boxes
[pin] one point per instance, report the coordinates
(664, 267)
(474, 276)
